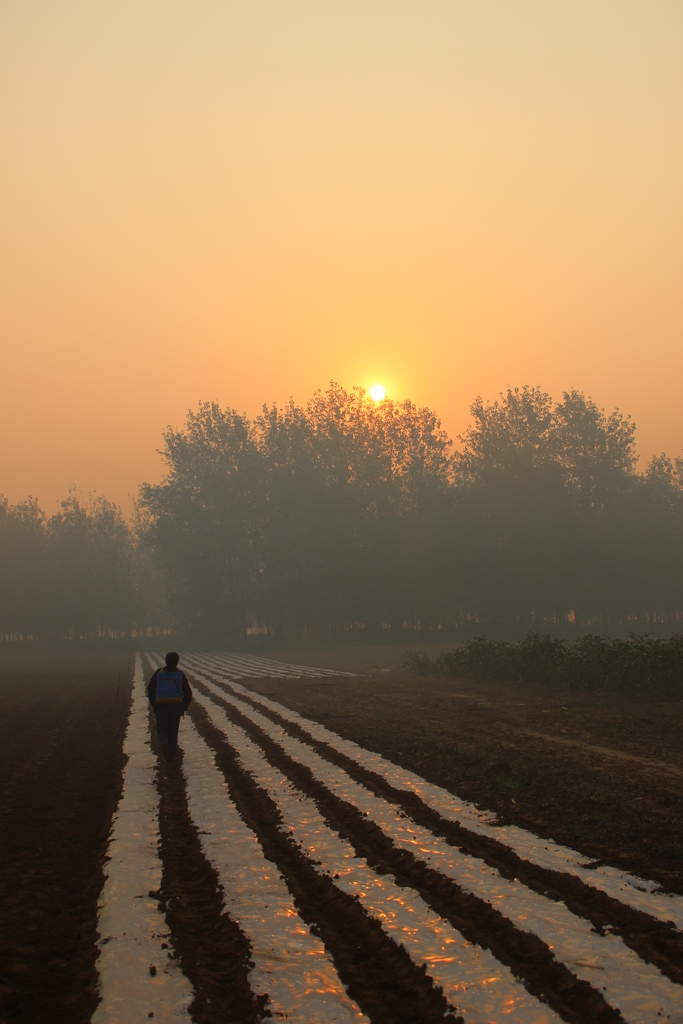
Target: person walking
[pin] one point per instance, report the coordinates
(169, 694)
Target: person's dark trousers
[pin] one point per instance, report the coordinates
(168, 720)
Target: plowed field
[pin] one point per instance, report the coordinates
(330, 848)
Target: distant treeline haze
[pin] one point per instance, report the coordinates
(349, 516)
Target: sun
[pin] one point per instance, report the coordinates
(377, 392)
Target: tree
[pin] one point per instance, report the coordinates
(595, 451)
(203, 519)
(349, 515)
(91, 574)
(74, 574)
(24, 606)
(542, 487)
(511, 437)
(303, 519)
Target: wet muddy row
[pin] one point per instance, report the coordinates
(656, 942)
(211, 949)
(379, 971)
(529, 959)
(60, 780)
(243, 758)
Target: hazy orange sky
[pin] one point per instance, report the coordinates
(242, 200)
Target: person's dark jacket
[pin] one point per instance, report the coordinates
(152, 687)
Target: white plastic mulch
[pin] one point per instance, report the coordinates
(290, 965)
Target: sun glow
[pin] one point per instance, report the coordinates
(377, 392)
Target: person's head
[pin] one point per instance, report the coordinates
(172, 659)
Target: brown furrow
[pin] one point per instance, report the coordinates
(378, 974)
(648, 765)
(213, 951)
(525, 954)
(654, 941)
(55, 831)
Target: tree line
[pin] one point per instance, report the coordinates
(79, 574)
(346, 516)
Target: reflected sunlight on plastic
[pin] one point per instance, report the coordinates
(639, 893)
(133, 931)
(257, 898)
(634, 986)
(425, 936)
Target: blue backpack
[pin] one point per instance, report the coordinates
(170, 688)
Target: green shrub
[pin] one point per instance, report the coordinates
(590, 663)
(419, 663)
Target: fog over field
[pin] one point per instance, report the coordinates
(341, 512)
(324, 230)
(351, 518)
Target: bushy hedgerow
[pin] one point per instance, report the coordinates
(590, 663)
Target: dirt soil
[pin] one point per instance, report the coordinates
(61, 733)
(602, 774)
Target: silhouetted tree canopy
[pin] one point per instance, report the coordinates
(303, 519)
(346, 515)
(75, 574)
(525, 437)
